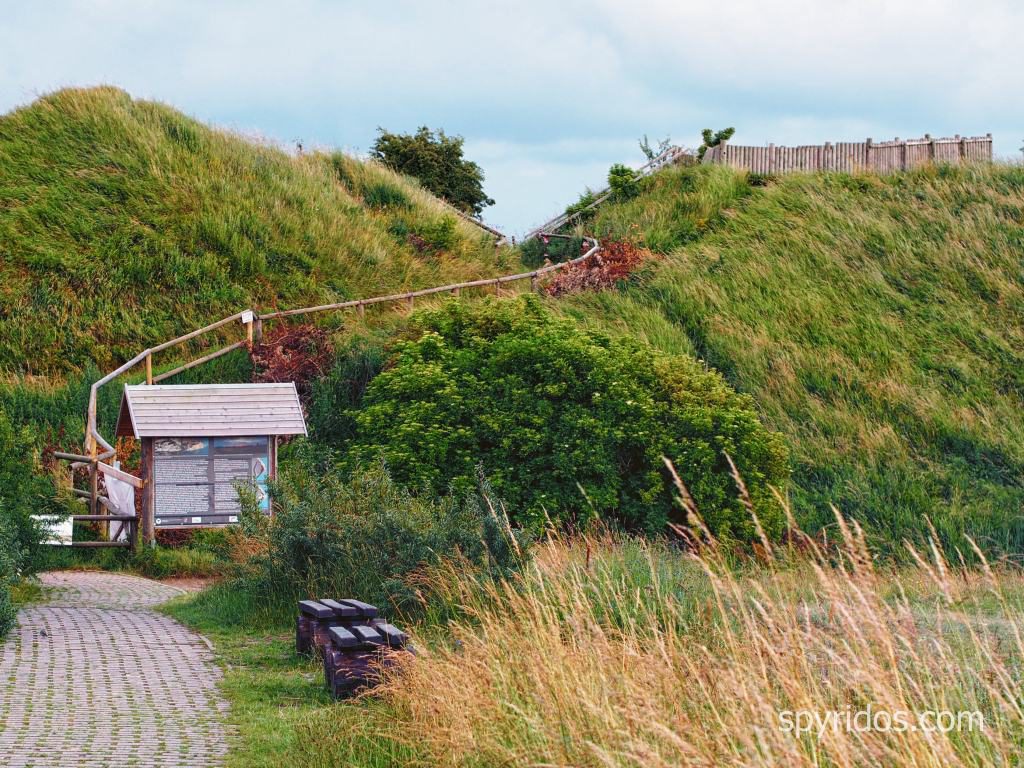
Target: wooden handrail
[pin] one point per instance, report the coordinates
(94, 441)
(93, 438)
(671, 155)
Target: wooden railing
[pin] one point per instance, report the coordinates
(670, 156)
(98, 450)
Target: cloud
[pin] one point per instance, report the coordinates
(547, 94)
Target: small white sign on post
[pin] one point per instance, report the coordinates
(56, 529)
(247, 317)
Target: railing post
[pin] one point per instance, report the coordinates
(258, 330)
(248, 318)
(411, 301)
(456, 292)
(149, 368)
(361, 310)
(535, 283)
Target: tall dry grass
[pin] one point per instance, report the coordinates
(616, 652)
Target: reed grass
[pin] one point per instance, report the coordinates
(613, 651)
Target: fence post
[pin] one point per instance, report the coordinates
(771, 158)
(149, 368)
(247, 320)
(931, 147)
(868, 161)
(534, 283)
(258, 330)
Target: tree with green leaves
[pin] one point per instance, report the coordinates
(623, 181)
(436, 159)
(713, 139)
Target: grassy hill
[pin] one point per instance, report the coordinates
(877, 321)
(124, 223)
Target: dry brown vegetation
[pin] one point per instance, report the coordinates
(618, 652)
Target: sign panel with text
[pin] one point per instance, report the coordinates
(195, 478)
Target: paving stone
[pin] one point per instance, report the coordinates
(93, 677)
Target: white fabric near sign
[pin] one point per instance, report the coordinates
(122, 502)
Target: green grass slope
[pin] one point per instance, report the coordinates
(877, 321)
(124, 223)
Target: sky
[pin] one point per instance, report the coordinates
(547, 94)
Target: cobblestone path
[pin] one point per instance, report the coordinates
(93, 678)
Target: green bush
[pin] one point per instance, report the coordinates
(382, 194)
(623, 181)
(10, 561)
(438, 235)
(24, 491)
(587, 198)
(535, 251)
(367, 538)
(330, 414)
(565, 423)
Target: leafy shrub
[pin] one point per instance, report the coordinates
(24, 491)
(381, 194)
(330, 412)
(365, 537)
(587, 198)
(437, 235)
(10, 562)
(711, 139)
(564, 422)
(623, 181)
(537, 250)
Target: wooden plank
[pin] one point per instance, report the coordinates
(101, 518)
(169, 426)
(253, 431)
(73, 457)
(248, 410)
(132, 480)
(200, 361)
(213, 398)
(99, 544)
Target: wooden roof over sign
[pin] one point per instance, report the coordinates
(210, 410)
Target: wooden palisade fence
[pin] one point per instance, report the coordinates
(880, 157)
(98, 450)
